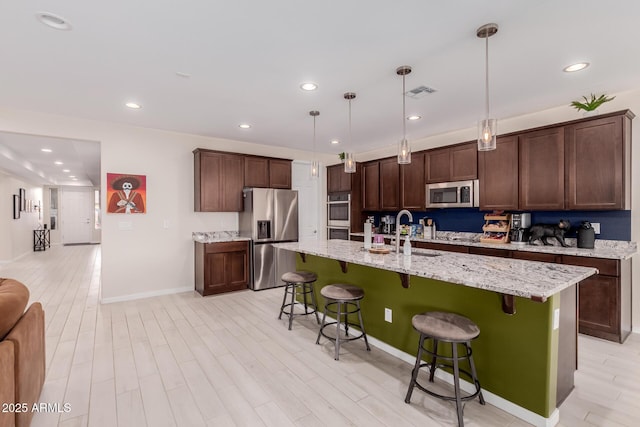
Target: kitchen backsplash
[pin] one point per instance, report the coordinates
(614, 225)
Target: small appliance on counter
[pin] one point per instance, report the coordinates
(388, 224)
(586, 235)
(520, 224)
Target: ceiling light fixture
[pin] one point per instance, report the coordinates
(46, 150)
(575, 67)
(72, 176)
(133, 105)
(308, 86)
(487, 128)
(404, 149)
(412, 118)
(66, 170)
(244, 126)
(335, 141)
(349, 159)
(54, 21)
(315, 167)
(58, 162)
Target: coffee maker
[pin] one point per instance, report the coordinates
(388, 224)
(520, 224)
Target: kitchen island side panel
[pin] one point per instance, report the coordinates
(516, 355)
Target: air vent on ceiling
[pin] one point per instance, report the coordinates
(420, 91)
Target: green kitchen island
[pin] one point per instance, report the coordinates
(526, 352)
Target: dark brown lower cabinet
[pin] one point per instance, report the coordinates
(442, 247)
(221, 267)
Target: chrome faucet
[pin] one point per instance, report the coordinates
(402, 212)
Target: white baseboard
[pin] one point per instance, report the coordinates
(148, 294)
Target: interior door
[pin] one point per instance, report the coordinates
(308, 200)
(76, 214)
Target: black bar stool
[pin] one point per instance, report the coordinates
(453, 329)
(346, 300)
(299, 283)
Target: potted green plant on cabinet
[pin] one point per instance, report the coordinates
(591, 104)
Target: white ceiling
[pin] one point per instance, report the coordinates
(246, 60)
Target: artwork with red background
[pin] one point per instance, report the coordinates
(126, 193)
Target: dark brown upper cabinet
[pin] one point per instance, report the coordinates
(371, 186)
(412, 188)
(498, 175)
(338, 180)
(455, 163)
(266, 172)
(389, 184)
(541, 156)
(218, 181)
(595, 166)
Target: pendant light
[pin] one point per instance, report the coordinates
(315, 167)
(349, 159)
(487, 128)
(404, 149)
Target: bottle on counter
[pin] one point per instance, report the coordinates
(406, 248)
(367, 235)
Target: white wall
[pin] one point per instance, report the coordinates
(16, 235)
(147, 259)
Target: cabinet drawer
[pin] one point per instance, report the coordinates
(490, 252)
(442, 247)
(214, 248)
(607, 267)
(534, 256)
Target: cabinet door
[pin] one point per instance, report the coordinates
(594, 164)
(464, 162)
(337, 179)
(438, 165)
(208, 181)
(498, 175)
(541, 156)
(389, 184)
(599, 300)
(279, 173)
(371, 186)
(226, 267)
(256, 172)
(412, 188)
(232, 178)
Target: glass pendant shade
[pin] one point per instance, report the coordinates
(487, 131)
(315, 166)
(315, 169)
(349, 163)
(404, 152)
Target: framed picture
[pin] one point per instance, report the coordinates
(23, 200)
(126, 194)
(16, 206)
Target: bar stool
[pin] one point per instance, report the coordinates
(346, 300)
(449, 328)
(299, 283)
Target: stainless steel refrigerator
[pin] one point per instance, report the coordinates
(269, 216)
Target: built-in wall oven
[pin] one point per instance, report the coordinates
(338, 215)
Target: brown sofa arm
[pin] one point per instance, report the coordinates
(28, 341)
(7, 395)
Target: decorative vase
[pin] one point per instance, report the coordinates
(590, 113)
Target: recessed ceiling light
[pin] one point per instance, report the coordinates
(54, 21)
(244, 126)
(66, 170)
(133, 105)
(335, 141)
(74, 179)
(414, 118)
(46, 150)
(58, 162)
(575, 67)
(308, 86)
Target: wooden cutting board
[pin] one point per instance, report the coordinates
(379, 250)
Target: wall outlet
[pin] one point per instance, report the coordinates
(556, 318)
(388, 315)
(596, 227)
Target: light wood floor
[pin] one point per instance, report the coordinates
(227, 361)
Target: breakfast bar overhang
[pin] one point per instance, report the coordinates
(526, 352)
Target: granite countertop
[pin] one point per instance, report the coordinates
(528, 279)
(611, 249)
(217, 236)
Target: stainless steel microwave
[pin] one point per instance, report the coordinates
(456, 194)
